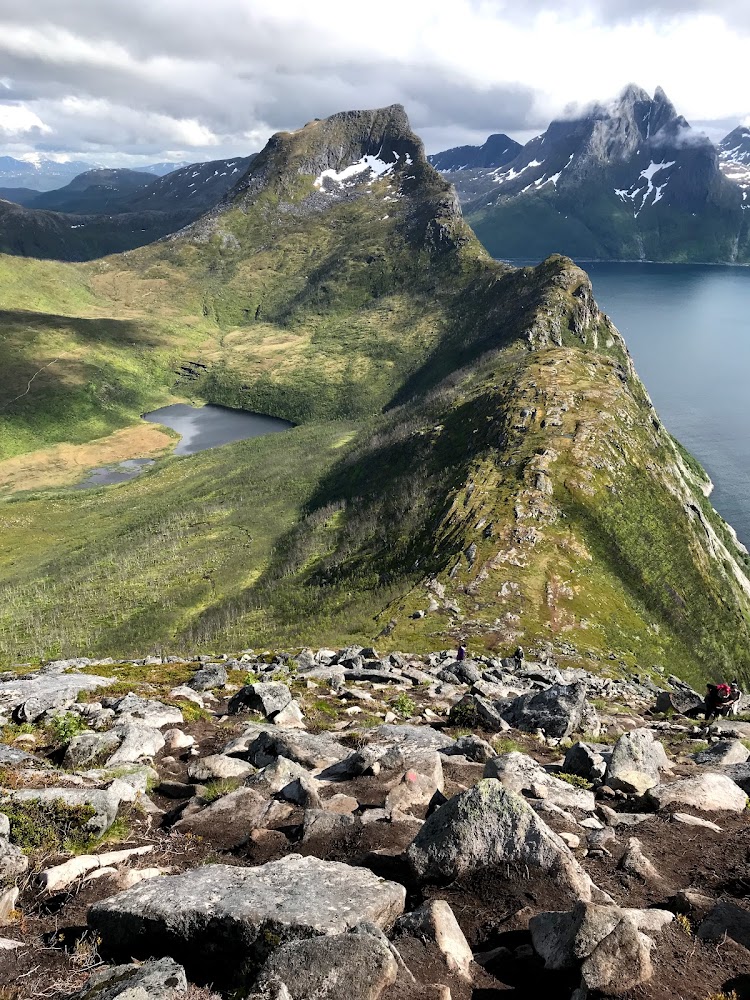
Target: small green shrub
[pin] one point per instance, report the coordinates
(192, 712)
(463, 713)
(251, 677)
(216, 789)
(503, 744)
(573, 779)
(404, 706)
(48, 826)
(684, 924)
(63, 728)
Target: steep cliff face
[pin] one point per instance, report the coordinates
(629, 180)
(734, 160)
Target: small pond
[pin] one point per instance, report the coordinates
(199, 427)
(202, 427)
(118, 473)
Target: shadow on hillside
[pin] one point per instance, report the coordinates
(104, 330)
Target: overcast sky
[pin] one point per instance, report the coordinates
(135, 81)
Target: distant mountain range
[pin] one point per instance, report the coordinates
(631, 180)
(105, 211)
(45, 174)
(498, 150)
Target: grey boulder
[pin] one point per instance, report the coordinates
(723, 753)
(104, 801)
(709, 792)
(160, 979)
(521, 773)
(154, 714)
(13, 862)
(339, 967)
(267, 697)
(29, 698)
(740, 775)
(726, 920)
(228, 822)
(213, 675)
(218, 767)
(487, 826)
(124, 744)
(558, 712)
(610, 944)
(435, 921)
(636, 762)
(586, 761)
(220, 912)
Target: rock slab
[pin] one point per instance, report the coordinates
(218, 912)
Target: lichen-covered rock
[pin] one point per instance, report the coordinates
(488, 826)
(339, 967)
(709, 792)
(124, 744)
(558, 712)
(159, 979)
(636, 762)
(104, 801)
(521, 773)
(224, 913)
(435, 921)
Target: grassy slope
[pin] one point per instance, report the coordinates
(323, 315)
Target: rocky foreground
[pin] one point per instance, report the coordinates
(338, 825)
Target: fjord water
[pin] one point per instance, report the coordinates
(209, 426)
(688, 329)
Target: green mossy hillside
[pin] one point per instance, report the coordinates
(475, 455)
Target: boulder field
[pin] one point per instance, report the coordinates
(342, 825)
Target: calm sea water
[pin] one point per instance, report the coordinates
(688, 329)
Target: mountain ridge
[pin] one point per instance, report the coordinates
(471, 436)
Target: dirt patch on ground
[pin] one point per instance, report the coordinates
(66, 464)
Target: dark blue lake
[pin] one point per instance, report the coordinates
(688, 329)
(209, 426)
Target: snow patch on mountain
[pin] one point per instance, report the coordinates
(352, 174)
(644, 192)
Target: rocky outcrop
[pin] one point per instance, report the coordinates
(611, 945)
(337, 967)
(559, 711)
(636, 762)
(161, 979)
(217, 913)
(488, 826)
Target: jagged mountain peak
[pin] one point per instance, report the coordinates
(374, 141)
(632, 94)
